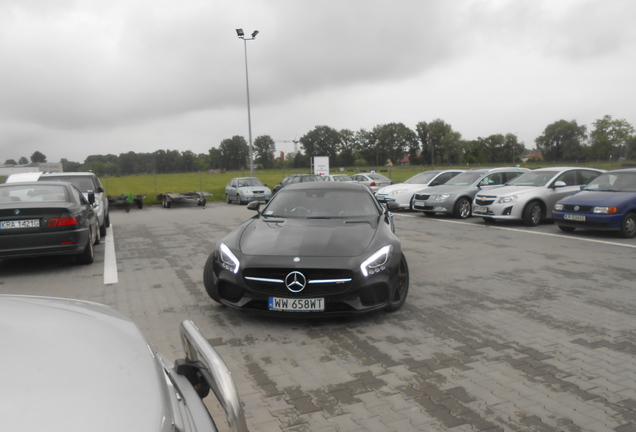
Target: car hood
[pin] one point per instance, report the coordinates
(439, 189)
(77, 365)
(253, 188)
(510, 190)
(599, 198)
(307, 237)
(401, 186)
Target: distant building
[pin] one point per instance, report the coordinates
(532, 154)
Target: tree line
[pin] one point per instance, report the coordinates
(432, 143)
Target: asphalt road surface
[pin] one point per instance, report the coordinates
(506, 328)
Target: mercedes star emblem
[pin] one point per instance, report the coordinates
(295, 281)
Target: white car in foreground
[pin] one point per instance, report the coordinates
(531, 196)
(75, 366)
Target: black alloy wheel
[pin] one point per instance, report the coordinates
(401, 287)
(208, 280)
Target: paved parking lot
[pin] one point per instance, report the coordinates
(506, 328)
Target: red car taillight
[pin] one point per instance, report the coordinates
(372, 183)
(62, 221)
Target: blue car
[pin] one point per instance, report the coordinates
(606, 203)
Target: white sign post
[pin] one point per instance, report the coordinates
(321, 165)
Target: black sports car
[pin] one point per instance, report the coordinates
(321, 247)
(47, 218)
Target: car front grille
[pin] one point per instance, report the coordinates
(577, 208)
(484, 200)
(423, 197)
(319, 282)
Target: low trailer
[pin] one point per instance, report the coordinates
(126, 201)
(198, 197)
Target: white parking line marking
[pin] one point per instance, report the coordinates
(110, 261)
(561, 236)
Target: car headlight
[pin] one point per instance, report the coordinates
(605, 210)
(439, 197)
(228, 259)
(397, 192)
(507, 199)
(377, 261)
(558, 207)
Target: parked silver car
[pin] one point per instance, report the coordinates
(247, 189)
(531, 196)
(402, 193)
(372, 180)
(76, 366)
(338, 177)
(455, 197)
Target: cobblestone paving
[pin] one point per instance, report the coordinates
(502, 330)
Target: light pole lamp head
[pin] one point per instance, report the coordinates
(254, 34)
(240, 33)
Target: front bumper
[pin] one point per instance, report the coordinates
(358, 295)
(433, 206)
(504, 211)
(593, 221)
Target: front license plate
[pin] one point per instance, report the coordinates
(27, 223)
(297, 305)
(419, 203)
(480, 209)
(574, 217)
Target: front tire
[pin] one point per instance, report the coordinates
(628, 226)
(402, 286)
(462, 208)
(211, 287)
(532, 214)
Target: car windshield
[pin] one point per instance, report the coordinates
(374, 176)
(533, 178)
(342, 178)
(322, 203)
(465, 179)
(83, 183)
(615, 182)
(29, 193)
(422, 178)
(250, 182)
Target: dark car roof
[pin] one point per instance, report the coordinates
(326, 185)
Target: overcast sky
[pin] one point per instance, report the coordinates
(82, 77)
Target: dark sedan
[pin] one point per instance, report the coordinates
(47, 218)
(606, 203)
(322, 247)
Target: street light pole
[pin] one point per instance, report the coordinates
(241, 35)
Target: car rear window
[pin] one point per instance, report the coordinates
(83, 183)
(23, 193)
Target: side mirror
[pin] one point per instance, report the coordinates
(559, 184)
(91, 198)
(254, 205)
(392, 206)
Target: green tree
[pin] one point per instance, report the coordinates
(38, 157)
(426, 155)
(322, 141)
(610, 138)
(444, 143)
(69, 166)
(265, 147)
(187, 161)
(23, 161)
(214, 158)
(234, 152)
(10, 162)
(562, 140)
(348, 148)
